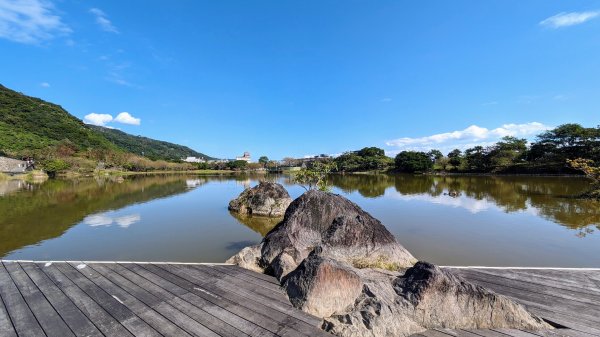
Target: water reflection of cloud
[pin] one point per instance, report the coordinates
(472, 205)
(104, 219)
(191, 183)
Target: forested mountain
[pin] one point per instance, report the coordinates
(151, 148)
(29, 125)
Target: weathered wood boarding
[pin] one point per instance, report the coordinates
(145, 299)
(176, 299)
(568, 298)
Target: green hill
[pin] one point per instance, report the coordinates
(28, 124)
(153, 149)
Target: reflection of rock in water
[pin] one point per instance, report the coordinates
(259, 224)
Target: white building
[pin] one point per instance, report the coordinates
(246, 157)
(194, 160)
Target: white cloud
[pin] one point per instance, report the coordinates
(30, 21)
(126, 118)
(569, 19)
(462, 139)
(103, 119)
(103, 21)
(45, 85)
(97, 119)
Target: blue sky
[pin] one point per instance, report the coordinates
(296, 78)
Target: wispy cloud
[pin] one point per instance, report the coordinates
(30, 21)
(565, 19)
(103, 21)
(473, 135)
(386, 100)
(103, 119)
(45, 85)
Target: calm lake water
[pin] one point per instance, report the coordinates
(493, 221)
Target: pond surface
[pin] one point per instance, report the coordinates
(452, 220)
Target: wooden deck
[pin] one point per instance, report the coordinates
(143, 299)
(178, 299)
(565, 297)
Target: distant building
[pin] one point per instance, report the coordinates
(194, 160)
(246, 157)
(12, 166)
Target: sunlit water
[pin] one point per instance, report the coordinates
(493, 221)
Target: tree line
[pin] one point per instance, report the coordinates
(547, 154)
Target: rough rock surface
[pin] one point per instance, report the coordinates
(341, 229)
(337, 262)
(425, 297)
(248, 258)
(323, 286)
(264, 199)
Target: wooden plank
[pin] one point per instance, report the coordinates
(212, 304)
(246, 294)
(263, 277)
(514, 332)
(530, 293)
(236, 272)
(143, 311)
(250, 293)
(46, 315)
(236, 280)
(561, 288)
(158, 303)
(73, 317)
(143, 277)
(6, 327)
(111, 304)
(485, 333)
(107, 324)
(23, 320)
(434, 333)
(458, 333)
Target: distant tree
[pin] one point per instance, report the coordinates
(237, 165)
(366, 159)
(592, 172)
(435, 155)
(476, 159)
(263, 160)
(315, 177)
(288, 161)
(54, 166)
(506, 152)
(412, 161)
(455, 158)
(371, 152)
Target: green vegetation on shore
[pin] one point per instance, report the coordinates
(147, 147)
(548, 154)
(59, 142)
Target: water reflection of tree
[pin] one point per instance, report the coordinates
(550, 197)
(49, 209)
(259, 224)
(368, 185)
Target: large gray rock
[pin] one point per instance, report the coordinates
(382, 303)
(339, 263)
(341, 230)
(264, 199)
